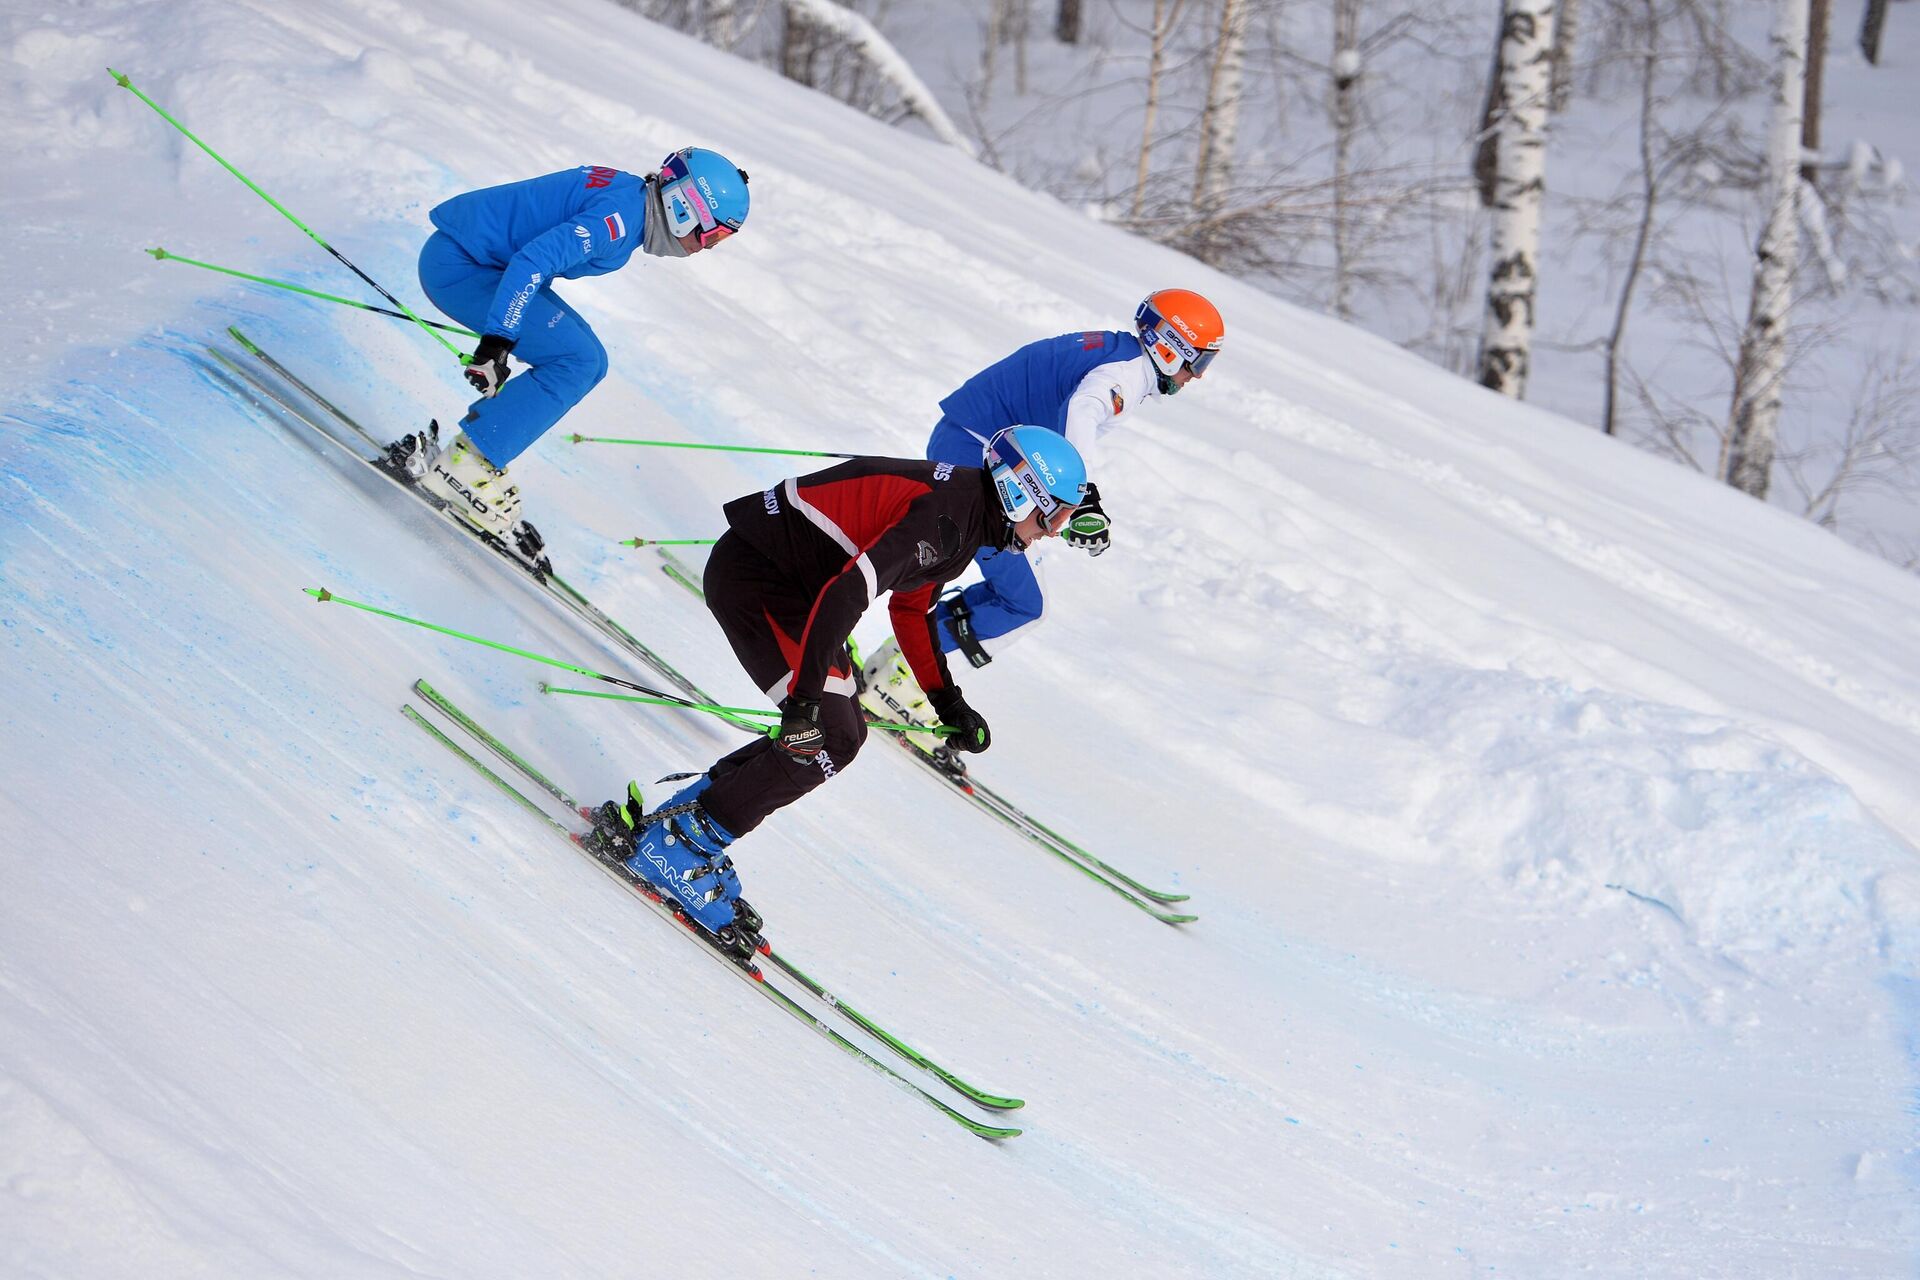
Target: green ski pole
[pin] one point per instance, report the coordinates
(722, 448)
(653, 696)
(161, 111)
(325, 596)
(161, 255)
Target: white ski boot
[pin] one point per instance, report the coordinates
(472, 488)
(889, 691)
(461, 479)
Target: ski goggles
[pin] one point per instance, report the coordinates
(687, 210)
(1157, 330)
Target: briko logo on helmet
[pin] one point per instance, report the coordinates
(703, 192)
(1179, 330)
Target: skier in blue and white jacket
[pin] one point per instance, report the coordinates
(1079, 385)
(491, 264)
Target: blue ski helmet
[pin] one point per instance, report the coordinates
(703, 191)
(1034, 467)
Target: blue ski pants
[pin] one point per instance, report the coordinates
(567, 359)
(1009, 596)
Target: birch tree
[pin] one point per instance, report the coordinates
(719, 23)
(1007, 23)
(1346, 79)
(1526, 58)
(1819, 18)
(1066, 22)
(1220, 116)
(1872, 22)
(1164, 15)
(1746, 460)
(1650, 179)
(1566, 26)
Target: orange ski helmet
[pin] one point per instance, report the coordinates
(1179, 329)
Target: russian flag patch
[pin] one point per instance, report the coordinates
(616, 226)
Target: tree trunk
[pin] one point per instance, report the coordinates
(1220, 117)
(1346, 80)
(990, 47)
(1870, 25)
(1007, 22)
(719, 23)
(799, 43)
(1819, 13)
(1486, 146)
(1066, 22)
(1649, 198)
(1156, 65)
(1566, 25)
(1526, 57)
(1022, 26)
(1747, 458)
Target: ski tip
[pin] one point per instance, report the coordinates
(1172, 917)
(996, 1104)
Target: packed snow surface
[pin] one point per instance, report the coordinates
(1549, 811)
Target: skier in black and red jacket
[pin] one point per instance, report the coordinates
(787, 582)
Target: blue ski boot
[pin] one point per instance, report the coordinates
(683, 858)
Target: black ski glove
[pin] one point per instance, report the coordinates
(1088, 527)
(800, 727)
(954, 712)
(488, 368)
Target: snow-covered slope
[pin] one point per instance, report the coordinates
(1549, 811)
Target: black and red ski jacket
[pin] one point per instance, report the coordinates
(870, 525)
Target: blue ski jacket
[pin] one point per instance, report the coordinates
(1032, 386)
(577, 222)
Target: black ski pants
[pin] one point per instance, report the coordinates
(763, 613)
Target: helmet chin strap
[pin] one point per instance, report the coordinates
(1168, 386)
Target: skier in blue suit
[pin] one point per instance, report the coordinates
(491, 264)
